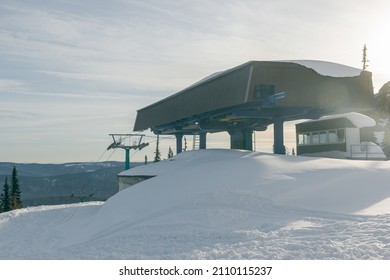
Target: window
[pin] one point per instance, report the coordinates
(341, 135)
(323, 139)
(304, 138)
(301, 139)
(332, 136)
(315, 137)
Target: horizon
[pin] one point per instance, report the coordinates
(75, 72)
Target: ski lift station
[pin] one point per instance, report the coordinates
(254, 95)
(338, 136)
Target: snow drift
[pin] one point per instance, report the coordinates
(219, 204)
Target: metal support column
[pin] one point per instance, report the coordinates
(202, 140)
(241, 139)
(235, 139)
(179, 143)
(248, 142)
(279, 147)
(127, 159)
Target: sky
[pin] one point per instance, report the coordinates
(74, 71)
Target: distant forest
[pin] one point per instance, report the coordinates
(48, 184)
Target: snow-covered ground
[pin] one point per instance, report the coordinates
(219, 204)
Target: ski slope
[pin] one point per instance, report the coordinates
(219, 204)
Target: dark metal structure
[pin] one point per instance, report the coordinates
(117, 143)
(250, 97)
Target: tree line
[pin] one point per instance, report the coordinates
(10, 198)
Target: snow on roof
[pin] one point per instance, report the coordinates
(357, 119)
(324, 68)
(327, 68)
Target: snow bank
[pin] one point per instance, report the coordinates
(265, 175)
(219, 204)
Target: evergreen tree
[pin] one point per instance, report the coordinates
(185, 145)
(157, 153)
(5, 197)
(170, 152)
(16, 202)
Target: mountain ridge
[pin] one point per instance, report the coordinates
(49, 184)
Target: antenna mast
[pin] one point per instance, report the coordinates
(119, 138)
(365, 60)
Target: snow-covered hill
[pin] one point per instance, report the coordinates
(219, 204)
(43, 184)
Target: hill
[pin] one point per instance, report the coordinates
(219, 204)
(48, 184)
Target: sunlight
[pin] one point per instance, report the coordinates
(378, 53)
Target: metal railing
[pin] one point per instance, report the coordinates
(366, 151)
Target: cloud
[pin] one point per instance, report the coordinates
(159, 45)
(11, 85)
(71, 66)
(11, 115)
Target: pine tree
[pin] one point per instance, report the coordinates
(1, 202)
(16, 202)
(157, 153)
(185, 145)
(170, 152)
(5, 197)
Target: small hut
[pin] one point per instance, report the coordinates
(338, 136)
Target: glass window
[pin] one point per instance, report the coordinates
(304, 138)
(301, 139)
(315, 137)
(341, 135)
(322, 137)
(332, 136)
(307, 138)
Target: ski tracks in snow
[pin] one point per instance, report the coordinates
(206, 231)
(200, 230)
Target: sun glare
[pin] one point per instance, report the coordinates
(378, 53)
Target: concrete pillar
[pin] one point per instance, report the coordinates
(179, 143)
(241, 139)
(202, 140)
(248, 140)
(235, 139)
(278, 137)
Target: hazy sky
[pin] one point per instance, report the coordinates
(73, 71)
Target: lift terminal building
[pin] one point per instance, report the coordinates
(254, 95)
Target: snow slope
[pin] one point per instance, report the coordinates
(219, 204)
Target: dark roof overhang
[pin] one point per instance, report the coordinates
(245, 97)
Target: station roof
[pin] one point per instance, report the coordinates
(358, 120)
(252, 94)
